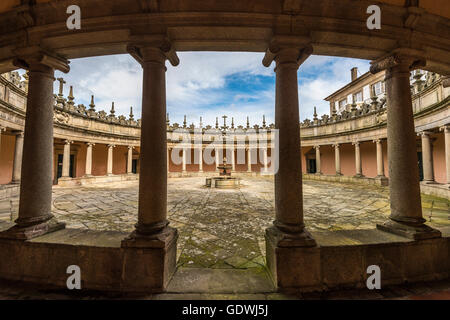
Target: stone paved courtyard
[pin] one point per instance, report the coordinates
(225, 228)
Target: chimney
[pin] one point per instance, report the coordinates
(354, 72)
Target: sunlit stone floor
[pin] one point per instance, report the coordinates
(225, 228)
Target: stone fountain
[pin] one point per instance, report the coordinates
(224, 180)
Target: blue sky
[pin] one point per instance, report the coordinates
(208, 84)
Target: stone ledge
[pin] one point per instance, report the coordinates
(104, 264)
(346, 179)
(341, 259)
(89, 180)
(436, 189)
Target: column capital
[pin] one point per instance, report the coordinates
(407, 57)
(285, 49)
(18, 133)
(336, 145)
(316, 147)
(2, 129)
(355, 143)
(156, 48)
(35, 58)
(377, 140)
(424, 133)
(67, 141)
(111, 145)
(445, 128)
(90, 144)
(130, 147)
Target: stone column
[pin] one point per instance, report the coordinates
(88, 170)
(233, 159)
(318, 170)
(109, 166)
(446, 130)
(183, 160)
(17, 164)
(427, 157)
(168, 159)
(406, 209)
(200, 159)
(217, 158)
(66, 160)
(288, 229)
(249, 160)
(152, 228)
(265, 159)
(130, 160)
(380, 159)
(337, 159)
(35, 217)
(358, 166)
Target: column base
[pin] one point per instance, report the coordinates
(15, 182)
(383, 180)
(293, 261)
(429, 182)
(149, 260)
(358, 175)
(287, 239)
(318, 173)
(415, 232)
(338, 174)
(18, 232)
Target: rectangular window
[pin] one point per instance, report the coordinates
(378, 87)
(342, 104)
(358, 97)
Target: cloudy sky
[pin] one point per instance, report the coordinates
(207, 84)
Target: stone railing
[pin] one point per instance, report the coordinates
(428, 94)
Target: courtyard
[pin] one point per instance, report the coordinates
(224, 229)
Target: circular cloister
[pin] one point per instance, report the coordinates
(357, 202)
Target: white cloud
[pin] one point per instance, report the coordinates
(198, 86)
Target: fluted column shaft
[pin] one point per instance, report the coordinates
(265, 159)
(130, 160)
(358, 167)
(183, 151)
(249, 159)
(337, 159)
(18, 152)
(446, 130)
(88, 170)
(66, 159)
(200, 159)
(110, 160)
(427, 157)
(318, 162)
(380, 158)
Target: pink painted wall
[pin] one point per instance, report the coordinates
(99, 159)
(327, 160)
(6, 158)
(80, 167)
(120, 154)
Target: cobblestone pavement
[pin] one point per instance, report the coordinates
(225, 228)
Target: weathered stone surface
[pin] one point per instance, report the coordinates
(225, 228)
